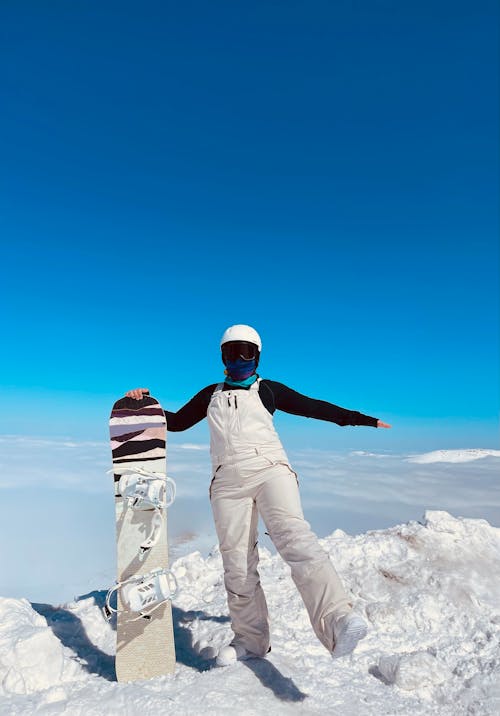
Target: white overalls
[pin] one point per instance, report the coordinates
(251, 475)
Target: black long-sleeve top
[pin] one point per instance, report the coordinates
(274, 396)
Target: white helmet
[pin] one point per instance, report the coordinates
(240, 332)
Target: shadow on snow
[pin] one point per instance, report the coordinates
(70, 630)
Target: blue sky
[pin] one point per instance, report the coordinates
(327, 172)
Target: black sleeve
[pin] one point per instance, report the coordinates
(290, 401)
(192, 412)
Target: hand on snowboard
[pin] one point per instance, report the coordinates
(136, 393)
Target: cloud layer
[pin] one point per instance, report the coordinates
(57, 492)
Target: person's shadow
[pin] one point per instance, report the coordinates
(69, 629)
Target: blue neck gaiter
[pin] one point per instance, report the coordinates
(241, 383)
(240, 369)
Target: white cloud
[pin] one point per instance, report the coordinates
(192, 446)
(65, 495)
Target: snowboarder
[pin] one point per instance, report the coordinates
(251, 474)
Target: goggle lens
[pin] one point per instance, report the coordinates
(239, 349)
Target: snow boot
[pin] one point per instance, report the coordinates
(229, 655)
(348, 630)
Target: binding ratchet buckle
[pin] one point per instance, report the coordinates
(143, 594)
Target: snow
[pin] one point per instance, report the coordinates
(428, 589)
(453, 455)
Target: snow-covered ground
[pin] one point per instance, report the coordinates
(429, 590)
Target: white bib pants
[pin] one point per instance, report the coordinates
(252, 475)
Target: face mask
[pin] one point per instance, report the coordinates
(241, 369)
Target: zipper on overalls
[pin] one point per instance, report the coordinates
(228, 421)
(233, 416)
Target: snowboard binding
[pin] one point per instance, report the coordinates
(145, 490)
(143, 594)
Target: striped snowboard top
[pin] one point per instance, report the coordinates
(138, 432)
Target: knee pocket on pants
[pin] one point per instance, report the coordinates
(212, 481)
(285, 464)
(292, 472)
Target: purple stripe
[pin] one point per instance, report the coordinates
(117, 431)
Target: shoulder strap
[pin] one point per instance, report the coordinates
(255, 384)
(218, 388)
(271, 395)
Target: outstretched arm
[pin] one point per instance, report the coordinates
(187, 416)
(290, 401)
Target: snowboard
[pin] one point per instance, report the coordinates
(145, 645)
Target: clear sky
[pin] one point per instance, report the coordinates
(327, 172)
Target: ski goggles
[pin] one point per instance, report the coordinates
(233, 350)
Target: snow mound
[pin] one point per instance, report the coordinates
(31, 657)
(411, 671)
(453, 455)
(428, 590)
